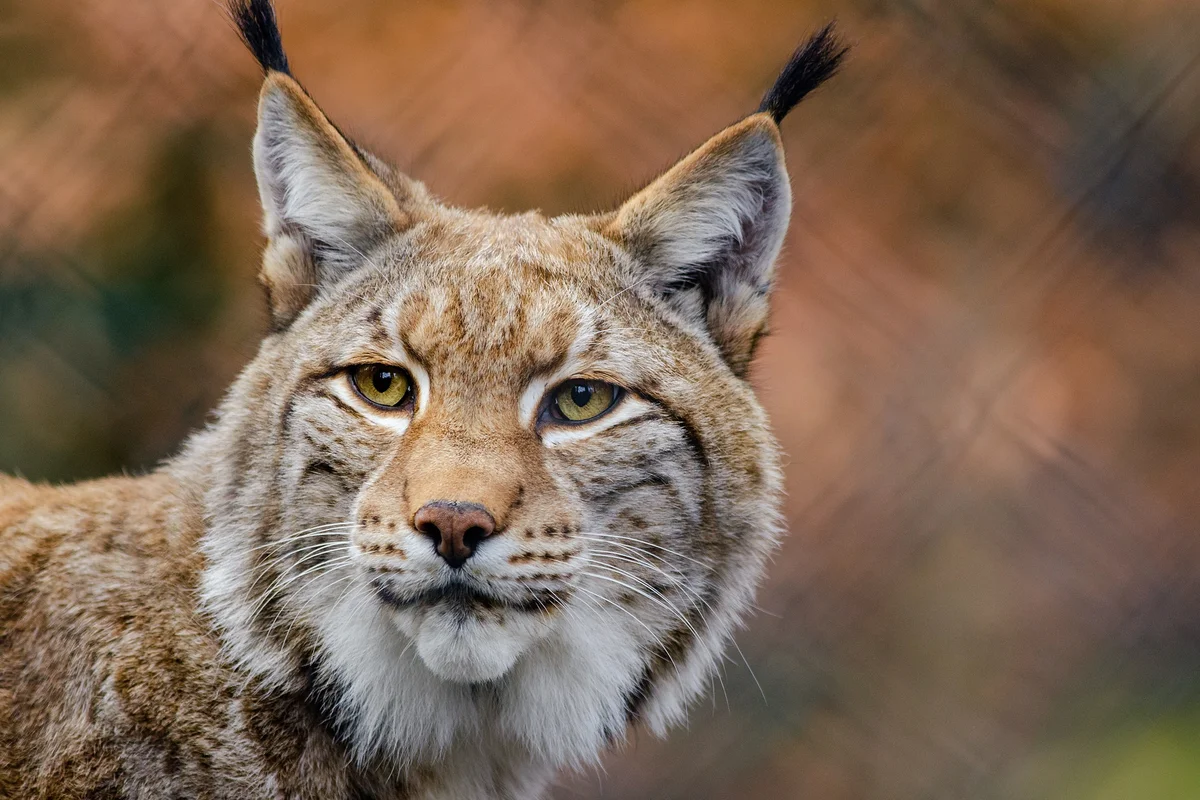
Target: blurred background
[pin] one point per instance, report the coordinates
(985, 367)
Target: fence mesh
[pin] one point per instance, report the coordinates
(984, 367)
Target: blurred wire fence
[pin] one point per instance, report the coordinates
(985, 365)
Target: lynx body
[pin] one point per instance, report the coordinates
(493, 491)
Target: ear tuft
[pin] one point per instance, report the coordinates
(813, 63)
(256, 24)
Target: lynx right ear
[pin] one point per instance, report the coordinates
(325, 207)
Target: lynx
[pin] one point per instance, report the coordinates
(494, 492)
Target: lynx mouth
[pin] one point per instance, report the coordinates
(464, 633)
(466, 599)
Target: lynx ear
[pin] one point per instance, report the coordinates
(325, 206)
(324, 209)
(706, 234)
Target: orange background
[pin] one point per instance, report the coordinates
(985, 365)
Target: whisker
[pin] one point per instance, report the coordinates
(660, 600)
(307, 533)
(342, 241)
(653, 636)
(733, 641)
(309, 548)
(677, 580)
(328, 565)
(313, 551)
(700, 598)
(305, 607)
(692, 595)
(278, 584)
(642, 543)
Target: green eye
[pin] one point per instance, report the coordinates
(582, 400)
(381, 384)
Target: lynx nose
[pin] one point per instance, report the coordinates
(456, 529)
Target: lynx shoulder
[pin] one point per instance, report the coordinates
(493, 492)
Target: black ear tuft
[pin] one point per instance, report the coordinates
(255, 20)
(813, 63)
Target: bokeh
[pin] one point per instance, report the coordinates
(984, 367)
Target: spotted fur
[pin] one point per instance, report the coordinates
(261, 618)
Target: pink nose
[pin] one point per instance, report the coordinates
(456, 529)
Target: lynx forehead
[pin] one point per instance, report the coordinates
(493, 491)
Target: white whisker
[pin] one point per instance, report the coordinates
(307, 533)
(659, 599)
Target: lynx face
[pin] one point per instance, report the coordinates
(495, 479)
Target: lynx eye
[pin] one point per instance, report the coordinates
(582, 400)
(382, 385)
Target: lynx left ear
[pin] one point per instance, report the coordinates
(706, 234)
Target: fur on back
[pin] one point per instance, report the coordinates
(268, 616)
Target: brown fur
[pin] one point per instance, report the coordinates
(108, 674)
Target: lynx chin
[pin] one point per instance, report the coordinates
(493, 492)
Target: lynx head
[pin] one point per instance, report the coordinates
(497, 479)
